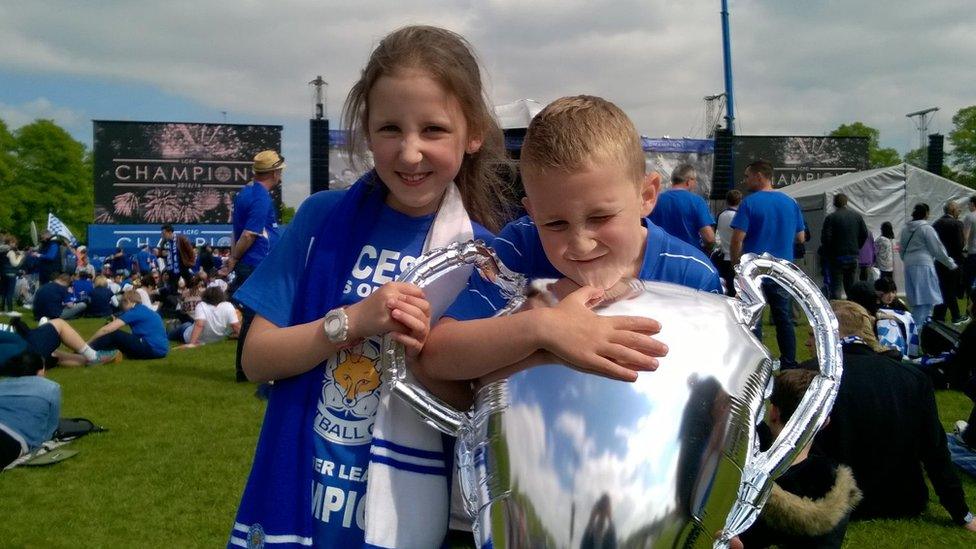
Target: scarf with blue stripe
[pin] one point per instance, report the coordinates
(276, 506)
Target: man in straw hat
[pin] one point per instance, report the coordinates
(255, 220)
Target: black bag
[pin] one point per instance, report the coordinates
(938, 337)
(70, 428)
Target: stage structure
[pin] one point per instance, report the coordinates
(147, 174)
(799, 159)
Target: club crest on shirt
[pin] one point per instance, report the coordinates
(350, 395)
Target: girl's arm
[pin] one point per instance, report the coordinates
(271, 352)
(615, 347)
(107, 329)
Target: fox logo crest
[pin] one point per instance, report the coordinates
(350, 395)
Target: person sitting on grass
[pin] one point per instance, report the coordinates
(46, 339)
(810, 503)
(53, 300)
(30, 405)
(213, 319)
(885, 426)
(100, 302)
(147, 339)
(147, 289)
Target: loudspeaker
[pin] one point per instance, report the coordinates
(722, 165)
(318, 154)
(936, 153)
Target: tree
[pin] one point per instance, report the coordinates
(877, 157)
(918, 157)
(7, 163)
(963, 140)
(52, 173)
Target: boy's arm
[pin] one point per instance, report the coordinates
(615, 347)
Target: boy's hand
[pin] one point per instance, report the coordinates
(396, 307)
(612, 346)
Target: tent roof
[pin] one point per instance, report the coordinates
(903, 171)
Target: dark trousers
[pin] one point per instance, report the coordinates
(969, 272)
(9, 449)
(841, 273)
(949, 286)
(779, 306)
(130, 345)
(241, 273)
(8, 284)
(727, 273)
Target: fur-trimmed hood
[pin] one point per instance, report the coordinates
(802, 516)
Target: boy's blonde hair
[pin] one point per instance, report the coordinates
(448, 59)
(131, 297)
(573, 133)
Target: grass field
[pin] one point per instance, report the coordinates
(170, 470)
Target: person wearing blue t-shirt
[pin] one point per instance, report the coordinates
(82, 287)
(144, 260)
(255, 222)
(147, 339)
(587, 195)
(684, 214)
(769, 222)
(53, 300)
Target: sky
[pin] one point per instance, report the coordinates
(799, 68)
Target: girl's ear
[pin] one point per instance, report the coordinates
(474, 145)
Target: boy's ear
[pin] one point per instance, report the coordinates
(527, 204)
(650, 188)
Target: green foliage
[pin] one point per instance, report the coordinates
(963, 140)
(877, 157)
(918, 157)
(48, 172)
(287, 214)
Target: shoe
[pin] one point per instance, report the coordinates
(961, 321)
(961, 427)
(44, 320)
(105, 357)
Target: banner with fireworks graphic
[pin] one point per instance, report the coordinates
(168, 172)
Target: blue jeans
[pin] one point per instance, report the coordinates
(779, 304)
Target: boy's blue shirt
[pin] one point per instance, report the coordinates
(518, 246)
(145, 323)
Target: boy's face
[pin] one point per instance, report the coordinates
(590, 221)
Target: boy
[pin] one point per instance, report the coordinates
(810, 502)
(588, 197)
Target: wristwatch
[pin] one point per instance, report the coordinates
(336, 326)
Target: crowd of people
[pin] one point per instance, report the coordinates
(313, 304)
(144, 299)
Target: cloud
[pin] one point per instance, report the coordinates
(799, 68)
(16, 116)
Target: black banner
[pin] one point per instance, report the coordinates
(797, 159)
(168, 172)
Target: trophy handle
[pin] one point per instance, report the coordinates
(442, 273)
(762, 467)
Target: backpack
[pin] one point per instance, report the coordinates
(70, 428)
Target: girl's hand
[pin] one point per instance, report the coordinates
(611, 346)
(395, 307)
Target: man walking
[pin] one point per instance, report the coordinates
(255, 231)
(769, 222)
(684, 214)
(841, 238)
(950, 231)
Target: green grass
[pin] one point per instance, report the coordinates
(170, 470)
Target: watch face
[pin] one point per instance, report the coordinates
(333, 324)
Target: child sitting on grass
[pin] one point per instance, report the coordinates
(588, 199)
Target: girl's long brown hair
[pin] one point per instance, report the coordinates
(449, 59)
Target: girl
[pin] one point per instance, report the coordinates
(920, 249)
(322, 474)
(884, 251)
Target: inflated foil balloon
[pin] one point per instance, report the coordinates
(554, 457)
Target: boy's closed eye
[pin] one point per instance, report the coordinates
(556, 225)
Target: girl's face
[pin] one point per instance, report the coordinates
(418, 136)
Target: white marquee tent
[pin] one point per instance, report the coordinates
(883, 194)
